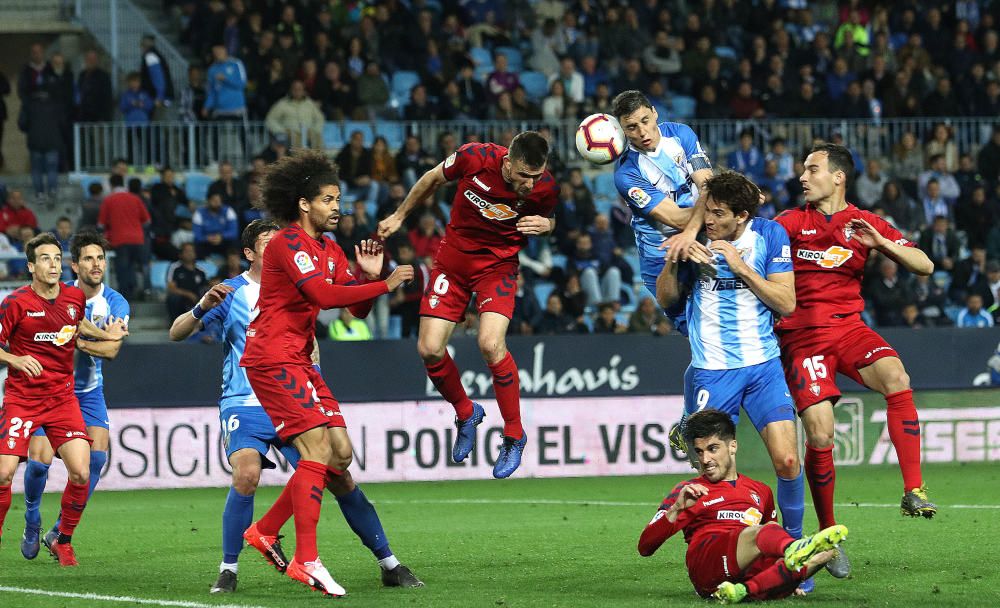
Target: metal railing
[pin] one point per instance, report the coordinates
(191, 147)
(119, 26)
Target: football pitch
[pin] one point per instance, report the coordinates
(520, 542)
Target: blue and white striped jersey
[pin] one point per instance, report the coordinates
(644, 179)
(228, 323)
(88, 374)
(728, 325)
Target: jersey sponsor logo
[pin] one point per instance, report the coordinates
(479, 183)
(809, 232)
(714, 501)
(32, 313)
(64, 335)
(490, 211)
(450, 160)
(750, 517)
(723, 284)
(639, 196)
(304, 264)
(833, 257)
(71, 309)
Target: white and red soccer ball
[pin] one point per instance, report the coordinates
(600, 139)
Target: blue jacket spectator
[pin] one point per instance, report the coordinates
(136, 105)
(216, 227)
(155, 72)
(974, 315)
(227, 83)
(747, 159)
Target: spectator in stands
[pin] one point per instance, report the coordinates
(405, 301)
(938, 172)
(605, 321)
(934, 204)
(775, 185)
(547, 45)
(32, 77)
(373, 92)
(216, 227)
(136, 105)
(555, 321)
(154, 72)
(908, 162)
(18, 267)
(420, 107)
(555, 106)
(232, 189)
(930, 297)
(64, 232)
(426, 237)
(601, 283)
(15, 213)
(571, 79)
(942, 143)
(902, 210)
(989, 157)
(973, 314)
(42, 119)
(186, 283)
(93, 86)
(912, 318)
(976, 216)
(871, 184)
(940, 243)
(747, 158)
(227, 80)
(165, 197)
(888, 294)
(91, 206)
(123, 217)
(969, 276)
(348, 328)
(644, 318)
(183, 234)
(296, 115)
(277, 148)
(355, 163)
(271, 87)
(335, 93)
(471, 92)
(412, 161)
(527, 311)
(193, 96)
(606, 249)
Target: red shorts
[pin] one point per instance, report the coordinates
(457, 274)
(59, 415)
(711, 560)
(812, 357)
(295, 398)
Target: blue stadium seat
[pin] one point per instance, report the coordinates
(542, 291)
(403, 81)
(726, 52)
(682, 106)
(535, 84)
(86, 180)
(395, 328)
(158, 274)
(333, 136)
(209, 267)
(393, 132)
(196, 186)
(515, 61)
(605, 192)
(558, 260)
(366, 131)
(632, 258)
(481, 57)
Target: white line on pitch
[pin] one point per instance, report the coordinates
(615, 503)
(119, 598)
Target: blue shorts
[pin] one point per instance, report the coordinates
(94, 410)
(250, 427)
(759, 389)
(651, 265)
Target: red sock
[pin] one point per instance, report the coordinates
(446, 378)
(307, 499)
(773, 540)
(774, 582)
(904, 432)
(507, 386)
(74, 501)
(279, 513)
(4, 504)
(821, 476)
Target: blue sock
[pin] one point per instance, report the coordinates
(362, 518)
(35, 476)
(236, 518)
(791, 501)
(97, 461)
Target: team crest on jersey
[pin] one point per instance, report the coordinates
(304, 264)
(11, 442)
(639, 196)
(71, 309)
(434, 301)
(330, 265)
(755, 498)
(848, 231)
(450, 160)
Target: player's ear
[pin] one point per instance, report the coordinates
(303, 205)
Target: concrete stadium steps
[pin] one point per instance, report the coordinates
(33, 16)
(149, 323)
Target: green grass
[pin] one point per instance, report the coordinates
(513, 544)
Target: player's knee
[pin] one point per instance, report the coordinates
(492, 348)
(787, 466)
(896, 380)
(245, 481)
(819, 438)
(341, 458)
(79, 476)
(429, 352)
(7, 474)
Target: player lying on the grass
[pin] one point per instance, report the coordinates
(248, 433)
(104, 307)
(730, 310)
(503, 196)
(831, 241)
(302, 272)
(735, 547)
(39, 326)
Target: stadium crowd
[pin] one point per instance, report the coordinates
(297, 64)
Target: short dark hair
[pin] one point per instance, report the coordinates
(85, 239)
(709, 423)
(116, 181)
(299, 175)
(628, 102)
(253, 231)
(530, 148)
(45, 238)
(734, 190)
(838, 158)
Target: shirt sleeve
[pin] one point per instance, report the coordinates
(212, 321)
(463, 161)
(296, 263)
(660, 528)
(696, 155)
(8, 318)
(887, 230)
(344, 276)
(119, 308)
(642, 197)
(779, 250)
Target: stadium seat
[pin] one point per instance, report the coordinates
(542, 291)
(209, 267)
(683, 106)
(395, 328)
(515, 61)
(196, 186)
(393, 132)
(726, 52)
(333, 136)
(403, 82)
(535, 84)
(558, 260)
(86, 180)
(632, 258)
(158, 274)
(481, 57)
(605, 192)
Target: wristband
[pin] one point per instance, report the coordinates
(198, 312)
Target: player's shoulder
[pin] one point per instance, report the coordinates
(480, 153)
(238, 282)
(769, 228)
(16, 295)
(72, 292)
(675, 129)
(114, 298)
(791, 216)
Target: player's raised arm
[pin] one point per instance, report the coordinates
(679, 245)
(667, 287)
(325, 295)
(898, 248)
(670, 519)
(426, 186)
(188, 323)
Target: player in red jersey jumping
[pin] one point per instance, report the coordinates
(735, 548)
(39, 324)
(831, 240)
(503, 196)
(303, 272)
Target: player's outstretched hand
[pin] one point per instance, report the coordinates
(689, 495)
(679, 246)
(215, 296)
(389, 226)
(369, 255)
(866, 234)
(399, 276)
(28, 365)
(533, 225)
(117, 327)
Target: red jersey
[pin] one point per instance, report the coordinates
(828, 263)
(123, 216)
(301, 275)
(46, 330)
(727, 506)
(485, 210)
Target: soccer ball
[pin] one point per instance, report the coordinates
(600, 139)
